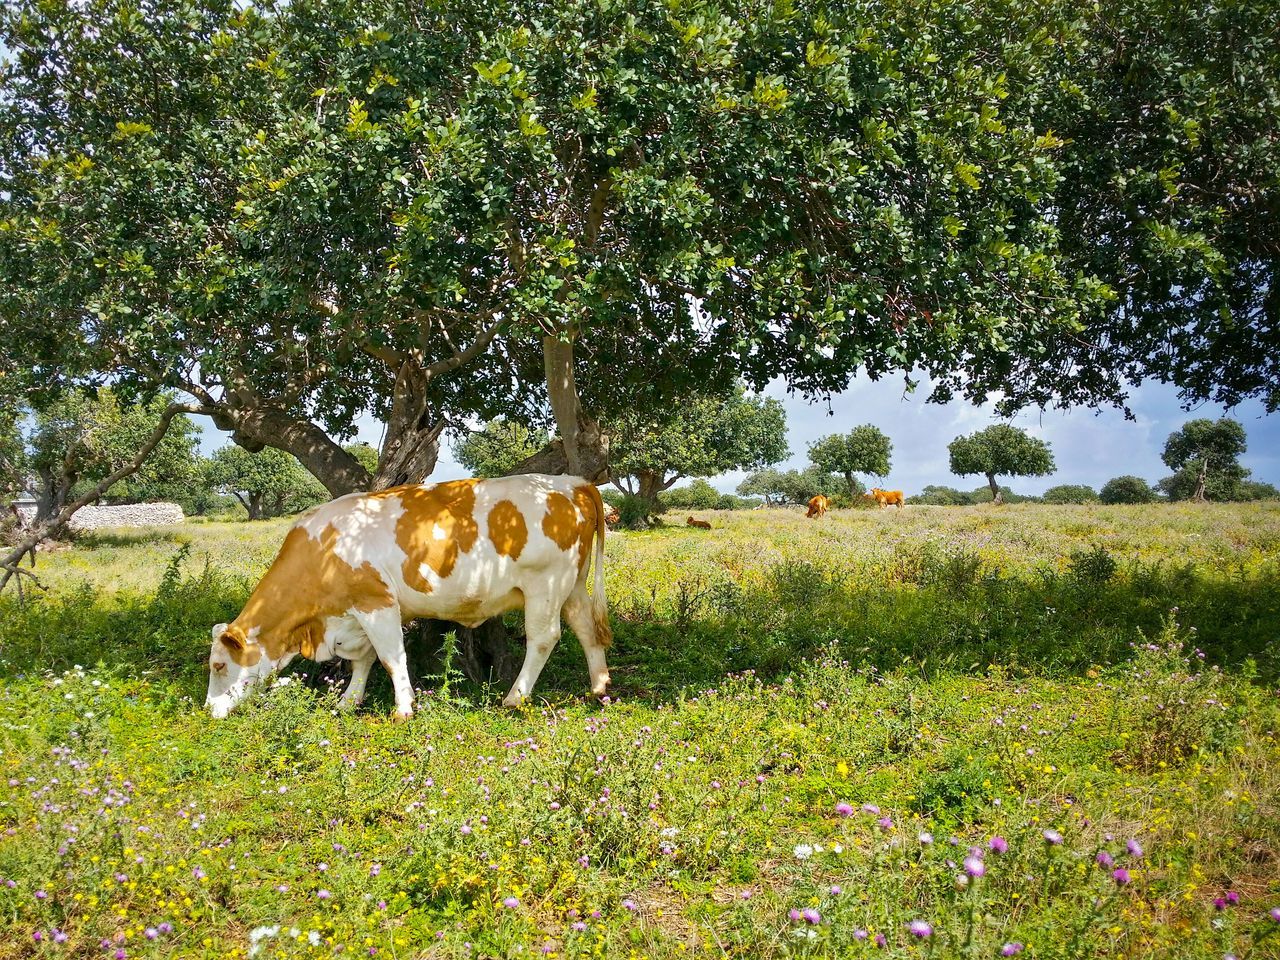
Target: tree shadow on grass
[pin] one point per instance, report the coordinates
(953, 618)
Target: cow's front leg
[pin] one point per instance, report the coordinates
(541, 631)
(387, 638)
(360, 667)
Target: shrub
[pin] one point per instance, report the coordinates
(1127, 489)
(1070, 493)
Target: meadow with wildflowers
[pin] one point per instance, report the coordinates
(972, 732)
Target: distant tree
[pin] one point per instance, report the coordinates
(1255, 490)
(942, 496)
(864, 449)
(365, 455)
(267, 483)
(82, 438)
(1070, 493)
(14, 469)
(1208, 451)
(1007, 495)
(496, 448)
(698, 495)
(1126, 489)
(1000, 450)
(793, 486)
(650, 451)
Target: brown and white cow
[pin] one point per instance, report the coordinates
(352, 571)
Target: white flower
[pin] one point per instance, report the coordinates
(803, 851)
(669, 831)
(313, 938)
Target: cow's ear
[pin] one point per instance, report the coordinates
(233, 638)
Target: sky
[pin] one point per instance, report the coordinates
(1089, 446)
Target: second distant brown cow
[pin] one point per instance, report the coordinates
(887, 497)
(818, 506)
(700, 524)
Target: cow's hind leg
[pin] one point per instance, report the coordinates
(577, 610)
(542, 632)
(360, 667)
(387, 638)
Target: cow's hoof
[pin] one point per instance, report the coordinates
(513, 701)
(401, 717)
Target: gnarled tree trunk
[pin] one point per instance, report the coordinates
(996, 495)
(412, 444)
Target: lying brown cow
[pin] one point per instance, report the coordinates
(818, 506)
(612, 517)
(700, 524)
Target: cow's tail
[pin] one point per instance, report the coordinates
(599, 605)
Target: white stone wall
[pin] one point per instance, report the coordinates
(127, 515)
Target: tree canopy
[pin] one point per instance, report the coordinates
(864, 449)
(1001, 450)
(1126, 489)
(794, 486)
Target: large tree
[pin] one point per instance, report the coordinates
(1001, 450)
(1205, 453)
(864, 449)
(700, 437)
(793, 486)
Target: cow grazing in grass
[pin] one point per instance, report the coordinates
(700, 524)
(818, 506)
(353, 571)
(887, 497)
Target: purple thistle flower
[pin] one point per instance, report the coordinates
(629, 905)
(881, 941)
(811, 915)
(511, 903)
(1275, 914)
(835, 890)
(998, 845)
(925, 838)
(1134, 848)
(40, 895)
(1011, 949)
(38, 936)
(152, 933)
(860, 935)
(198, 873)
(1104, 859)
(375, 869)
(324, 894)
(166, 927)
(1121, 876)
(844, 809)
(1233, 898)
(793, 914)
(885, 823)
(579, 926)
(1052, 837)
(919, 928)
(974, 867)
(465, 830)
(870, 808)
(1219, 903)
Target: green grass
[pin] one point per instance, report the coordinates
(970, 672)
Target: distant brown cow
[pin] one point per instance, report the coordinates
(818, 506)
(886, 497)
(612, 517)
(700, 524)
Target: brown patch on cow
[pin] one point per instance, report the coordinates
(587, 498)
(306, 583)
(560, 523)
(507, 529)
(449, 506)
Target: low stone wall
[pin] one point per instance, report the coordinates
(127, 515)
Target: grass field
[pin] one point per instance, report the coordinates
(939, 732)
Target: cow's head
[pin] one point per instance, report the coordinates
(236, 664)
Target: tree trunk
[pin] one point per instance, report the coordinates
(562, 389)
(1201, 477)
(593, 453)
(412, 444)
(848, 478)
(256, 427)
(650, 487)
(996, 495)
